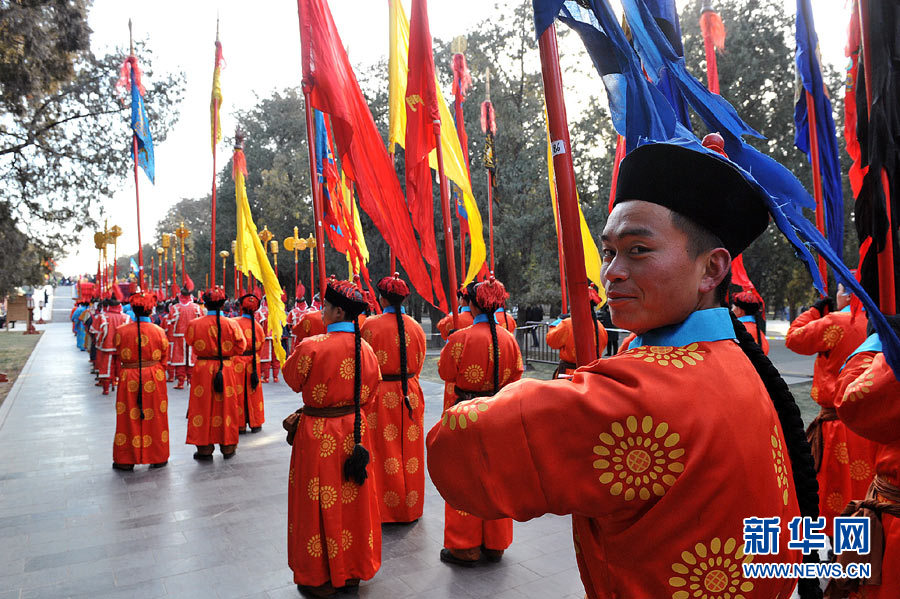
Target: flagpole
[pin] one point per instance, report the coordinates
(316, 189)
(817, 181)
(137, 195)
(215, 127)
(448, 227)
(886, 287)
(391, 257)
(561, 256)
(567, 202)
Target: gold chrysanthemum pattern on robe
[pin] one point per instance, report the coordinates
(711, 572)
(778, 460)
(639, 459)
(464, 413)
(832, 335)
(860, 387)
(346, 369)
(679, 357)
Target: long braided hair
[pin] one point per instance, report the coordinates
(214, 299)
(489, 296)
(395, 290)
(142, 304)
(802, 465)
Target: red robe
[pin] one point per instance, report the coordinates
(445, 325)
(867, 403)
(334, 528)
(251, 409)
(262, 318)
(142, 441)
(562, 337)
(506, 321)
(213, 417)
(754, 330)
(659, 453)
(181, 315)
(399, 450)
(848, 460)
(106, 326)
(467, 362)
(293, 318)
(310, 324)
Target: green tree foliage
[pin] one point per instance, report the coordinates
(65, 136)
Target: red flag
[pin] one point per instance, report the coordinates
(333, 89)
(421, 114)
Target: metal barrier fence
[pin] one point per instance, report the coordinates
(532, 338)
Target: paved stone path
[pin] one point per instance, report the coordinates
(71, 526)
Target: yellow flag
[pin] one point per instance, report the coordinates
(252, 258)
(215, 101)
(397, 68)
(592, 262)
(350, 207)
(454, 165)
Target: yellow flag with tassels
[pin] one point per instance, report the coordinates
(592, 261)
(215, 101)
(251, 257)
(454, 165)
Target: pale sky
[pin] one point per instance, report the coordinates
(261, 44)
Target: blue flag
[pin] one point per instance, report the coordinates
(140, 126)
(811, 82)
(134, 266)
(666, 15)
(648, 117)
(325, 162)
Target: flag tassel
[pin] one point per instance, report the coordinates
(448, 227)
(886, 289)
(817, 182)
(576, 275)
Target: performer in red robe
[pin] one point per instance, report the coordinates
(477, 362)
(213, 402)
(399, 451)
(181, 315)
(309, 325)
(334, 528)
(463, 319)
(844, 460)
(506, 321)
(142, 419)
(166, 322)
(747, 306)
(268, 362)
(659, 453)
(293, 318)
(251, 410)
(560, 336)
(866, 401)
(106, 326)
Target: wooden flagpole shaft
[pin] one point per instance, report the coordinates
(448, 227)
(491, 216)
(576, 276)
(817, 181)
(318, 207)
(886, 289)
(137, 201)
(391, 257)
(212, 241)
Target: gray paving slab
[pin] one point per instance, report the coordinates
(70, 526)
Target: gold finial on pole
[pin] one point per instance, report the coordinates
(265, 236)
(487, 84)
(458, 45)
(274, 245)
(130, 38)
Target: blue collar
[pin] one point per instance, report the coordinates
(391, 310)
(212, 313)
(340, 327)
(464, 309)
(144, 318)
(747, 319)
(872, 343)
(480, 318)
(499, 310)
(248, 316)
(713, 324)
(845, 308)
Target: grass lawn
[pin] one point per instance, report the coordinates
(14, 351)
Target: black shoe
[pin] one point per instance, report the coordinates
(447, 556)
(126, 467)
(159, 465)
(242, 431)
(228, 456)
(255, 429)
(206, 457)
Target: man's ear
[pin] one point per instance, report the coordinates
(717, 266)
